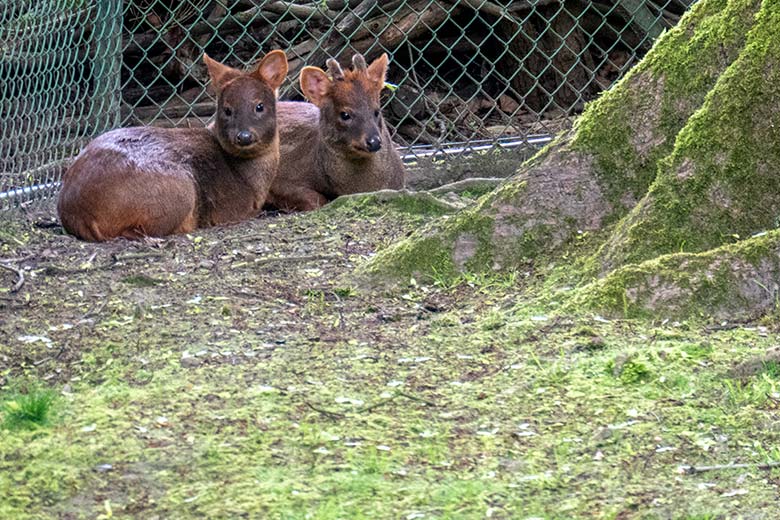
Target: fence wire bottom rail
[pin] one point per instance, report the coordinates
(409, 154)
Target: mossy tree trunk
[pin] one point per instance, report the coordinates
(682, 156)
(721, 182)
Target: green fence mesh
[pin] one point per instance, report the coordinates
(469, 73)
(59, 85)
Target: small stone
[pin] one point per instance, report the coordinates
(190, 361)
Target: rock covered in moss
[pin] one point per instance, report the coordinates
(734, 282)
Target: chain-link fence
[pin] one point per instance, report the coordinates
(468, 74)
(59, 85)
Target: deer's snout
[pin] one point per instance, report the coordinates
(244, 138)
(374, 143)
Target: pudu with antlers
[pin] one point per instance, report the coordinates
(147, 181)
(339, 143)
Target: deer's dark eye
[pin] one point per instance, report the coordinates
(345, 116)
(259, 108)
(376, 114)
(228, 112)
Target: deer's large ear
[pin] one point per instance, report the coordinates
(377, 72)
(272, 69)
(314, 84)
(220, 74)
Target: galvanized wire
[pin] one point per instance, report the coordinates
(469, 72)
(59, 78)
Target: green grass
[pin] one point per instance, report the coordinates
(303, 395)
(534, 427)
(28, 411)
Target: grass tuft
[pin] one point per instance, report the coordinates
(28, 411)
(772, 369)
(629, 369)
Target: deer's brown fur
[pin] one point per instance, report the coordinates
(146, 181)
(338, 143)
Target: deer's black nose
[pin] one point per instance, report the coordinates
(374, 143)
(244, 138)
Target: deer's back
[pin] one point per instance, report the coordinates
(151, 181)
(299, 140)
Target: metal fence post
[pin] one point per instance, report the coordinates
(106, 65)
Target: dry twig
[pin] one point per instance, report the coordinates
(692, 470)
(396, 395)
(326, 413)
(19, 275)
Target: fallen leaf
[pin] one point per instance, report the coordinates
(735, 492)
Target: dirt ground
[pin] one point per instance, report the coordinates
(268, 278)
(244, 372)
(283, 278)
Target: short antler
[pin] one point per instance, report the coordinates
(359, 62)
(335, 69)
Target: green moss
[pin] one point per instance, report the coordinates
(477, 398)
(412, 256)
(420, 205)
(720, 182)
(416, 203)
(696, 53)
(468, 406)
(731, 282)
(633, 125)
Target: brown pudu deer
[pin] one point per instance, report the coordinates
(146, 181)
(338, 143)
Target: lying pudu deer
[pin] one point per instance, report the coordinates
(338, 143)
(147, 181)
